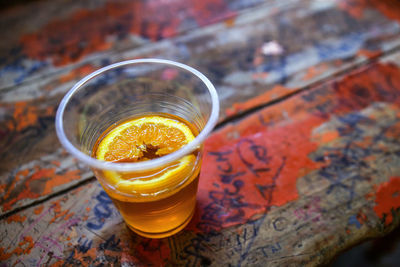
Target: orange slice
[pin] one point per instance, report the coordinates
(143, 139)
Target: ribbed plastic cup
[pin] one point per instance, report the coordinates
(131, 89)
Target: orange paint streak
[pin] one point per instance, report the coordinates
(394, 130)
(362, 218)
(377, 83)
(276, 92)
(128, 259)
(91, 254)
(205, 15)
(60, 40)
(230, 22)
(11, 187)
(356, 8)
(69, 215)
(326, 137)
(124, 256)
(50, 178)
(153, 251)
(387, 199)
(290, 141)
(38, 210)
(19, 176)
(59, 213)
(25, 193)
(390, 8)
(257, 61)
(8, 205)
(369, 196)
(26, 113)
(57, 180)
(259, 75)
(22, 173)
(43, 173)
(285, 131)
(16, 218)
(56, 163)
(2, 188)
(56, 206)
(24, 247)
(85, 32)
(314, 71)
(77, 73)
(353, 7)
(58, 216)
(58, 264)
(369, 54)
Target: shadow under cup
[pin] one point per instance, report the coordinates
(138, 88)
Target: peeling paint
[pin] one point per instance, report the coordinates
(59, 40)
(356, 8)
(387, 199)
(16, 218)
(24, 247)
(270, 95)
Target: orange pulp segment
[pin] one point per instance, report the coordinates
(143, 139)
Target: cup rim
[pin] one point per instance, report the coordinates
(144, 165)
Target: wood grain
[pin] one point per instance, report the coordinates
(294, 183)
(260, 52)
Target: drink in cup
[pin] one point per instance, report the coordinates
(140, 126)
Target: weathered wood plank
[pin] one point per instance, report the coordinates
(48, 36)
(27, 110)
(292, 184)
(236, 55)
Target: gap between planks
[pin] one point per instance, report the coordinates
(82, 182)
(335, 76)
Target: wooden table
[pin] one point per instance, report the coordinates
(304, 163)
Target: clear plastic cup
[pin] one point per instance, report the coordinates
(136, 88)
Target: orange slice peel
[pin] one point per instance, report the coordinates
(143, 139)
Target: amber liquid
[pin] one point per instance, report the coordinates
(162, 214)
(162, 217)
